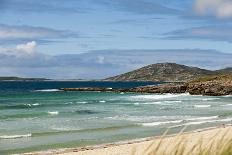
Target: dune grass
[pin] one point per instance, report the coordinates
(219, 143)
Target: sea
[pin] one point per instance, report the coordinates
(37, 116)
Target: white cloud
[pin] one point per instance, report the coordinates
(28, 48)
(20, 50)
(217, 8)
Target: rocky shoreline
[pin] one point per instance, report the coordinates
(193, 89)
(210, 86)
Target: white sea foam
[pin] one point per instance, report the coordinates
(152, 103)
(82, 102)
(15, 136)
(48, 90)
(202, 106)
(178, 101)
(227, 96)
(226, 105)
(149, 103)
(136, 103)
(161, 123)
(201, 118)
(35, 104)
(210, 99)
(53, 112)
(102, 101)
(155, 97)
(203, 122)
(65, 128)
(145, 118)
(133, 118)
(29, 105)
(122, 93)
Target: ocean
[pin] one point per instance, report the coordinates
(36, 116)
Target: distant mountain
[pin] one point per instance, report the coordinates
(225, 70)
(169, 72)
(12, 78)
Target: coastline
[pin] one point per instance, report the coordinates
(138, 145)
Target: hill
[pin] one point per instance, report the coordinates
(225, 70)
(12, 78)
(168, 72)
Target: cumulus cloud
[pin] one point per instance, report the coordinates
(217, 8)
(26, 49)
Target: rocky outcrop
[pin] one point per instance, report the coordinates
(161, 89)
(211, 85)
(209, 88)
(158, 89)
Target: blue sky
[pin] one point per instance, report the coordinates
(97, 38)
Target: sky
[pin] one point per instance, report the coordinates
(94, 39)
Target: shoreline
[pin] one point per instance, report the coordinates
(126, 145)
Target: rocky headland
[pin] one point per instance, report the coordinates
(218, 85)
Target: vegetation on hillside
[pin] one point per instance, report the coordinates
(168, 72)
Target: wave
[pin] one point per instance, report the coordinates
(53, 112)
(155, 97)
(227, 105)
(227, 96)
(202, 118)
(22, 115)
(15, 136)
(82, 102)
(145, 118)
(178, 101)
(83, 112)
(209, 121)
(19, 106)
(161, 123)
(210, 99)
(202, 106)
(48, 90)
(35, 104)
(102, 101)
(132, 118)
(203, 122)
(30, 105)
(149, 103)
(66, 130)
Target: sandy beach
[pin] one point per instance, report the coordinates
(144, 145)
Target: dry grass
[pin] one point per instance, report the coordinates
(219, 77)
(185, 144)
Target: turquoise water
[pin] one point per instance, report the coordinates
(35, 116)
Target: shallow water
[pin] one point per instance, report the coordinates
(35, 116)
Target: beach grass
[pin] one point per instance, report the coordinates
(220, 143)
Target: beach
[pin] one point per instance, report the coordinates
(140, 146)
